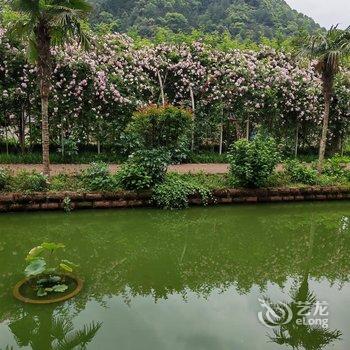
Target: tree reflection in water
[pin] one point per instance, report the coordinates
(46, 331)
(296, 333)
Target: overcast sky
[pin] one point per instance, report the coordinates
(325, 12)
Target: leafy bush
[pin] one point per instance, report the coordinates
(64, 182)
(174, 192)
(70, 148)
(299, 173)
(144, 169)
(4, 179)
(278, 179)
(334, 168)
(252, 162)
(31, 182)
(156, 127)
(97, 178)
(133, 177)
(155, 163)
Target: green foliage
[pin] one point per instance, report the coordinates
(252, 162)
(30, 182)
(244, 19)
(44, 276)
(4, 179)
(62, 20)
(174, 192)
(300, 173)
(97, 178)
(85, 157)
(69, 149)
(64, 182)
(67, 204)
(133, 177)
(335, 167)
(155, 163)
(160, 127)
(144, 169)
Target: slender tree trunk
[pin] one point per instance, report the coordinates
(296, 146)
(193, 117)
(248, 129)
(44, 70)
(6, 135)
(161, 87)
(22, 130)
(327, 102)
(221, 132)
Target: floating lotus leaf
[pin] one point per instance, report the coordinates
(34, 253)
(60, 288)
(36, 267)
(66, 267)
(41, 292)
(52, 246)
(67, 262)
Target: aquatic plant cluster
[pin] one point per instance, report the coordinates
(95, 92)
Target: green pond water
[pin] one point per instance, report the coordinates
(186, 279)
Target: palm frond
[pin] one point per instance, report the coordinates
(60, 328)
(79, 338)
(31, 7)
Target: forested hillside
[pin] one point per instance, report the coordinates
(244, 19)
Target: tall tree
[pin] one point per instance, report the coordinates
(43, 24)
(329, 49)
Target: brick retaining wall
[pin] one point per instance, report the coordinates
(54, 200)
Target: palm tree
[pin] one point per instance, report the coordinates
(329, 49)
(44, 23)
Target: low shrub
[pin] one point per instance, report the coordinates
(167, 127)
(30, 182)
(144, 169)
(252, 162)
(278, 179)
(174, 192)
(64, 182)
(155, 162)
(69, 148)
(4, 179)
(97, 178)
(334, 168)
(300, 173)
(133, 177)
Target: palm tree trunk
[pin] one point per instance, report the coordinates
(44, 70)
(323, 141)
(45, 127)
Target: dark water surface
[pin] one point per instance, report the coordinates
(190, 279)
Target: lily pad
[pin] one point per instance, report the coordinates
(34, 253)
(65, 267)
(36, 267)
(60, 288)
(41, 292)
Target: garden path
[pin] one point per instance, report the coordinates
(76, 168)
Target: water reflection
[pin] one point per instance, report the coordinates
(296, 333)
(45, 330)
(200, 259)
